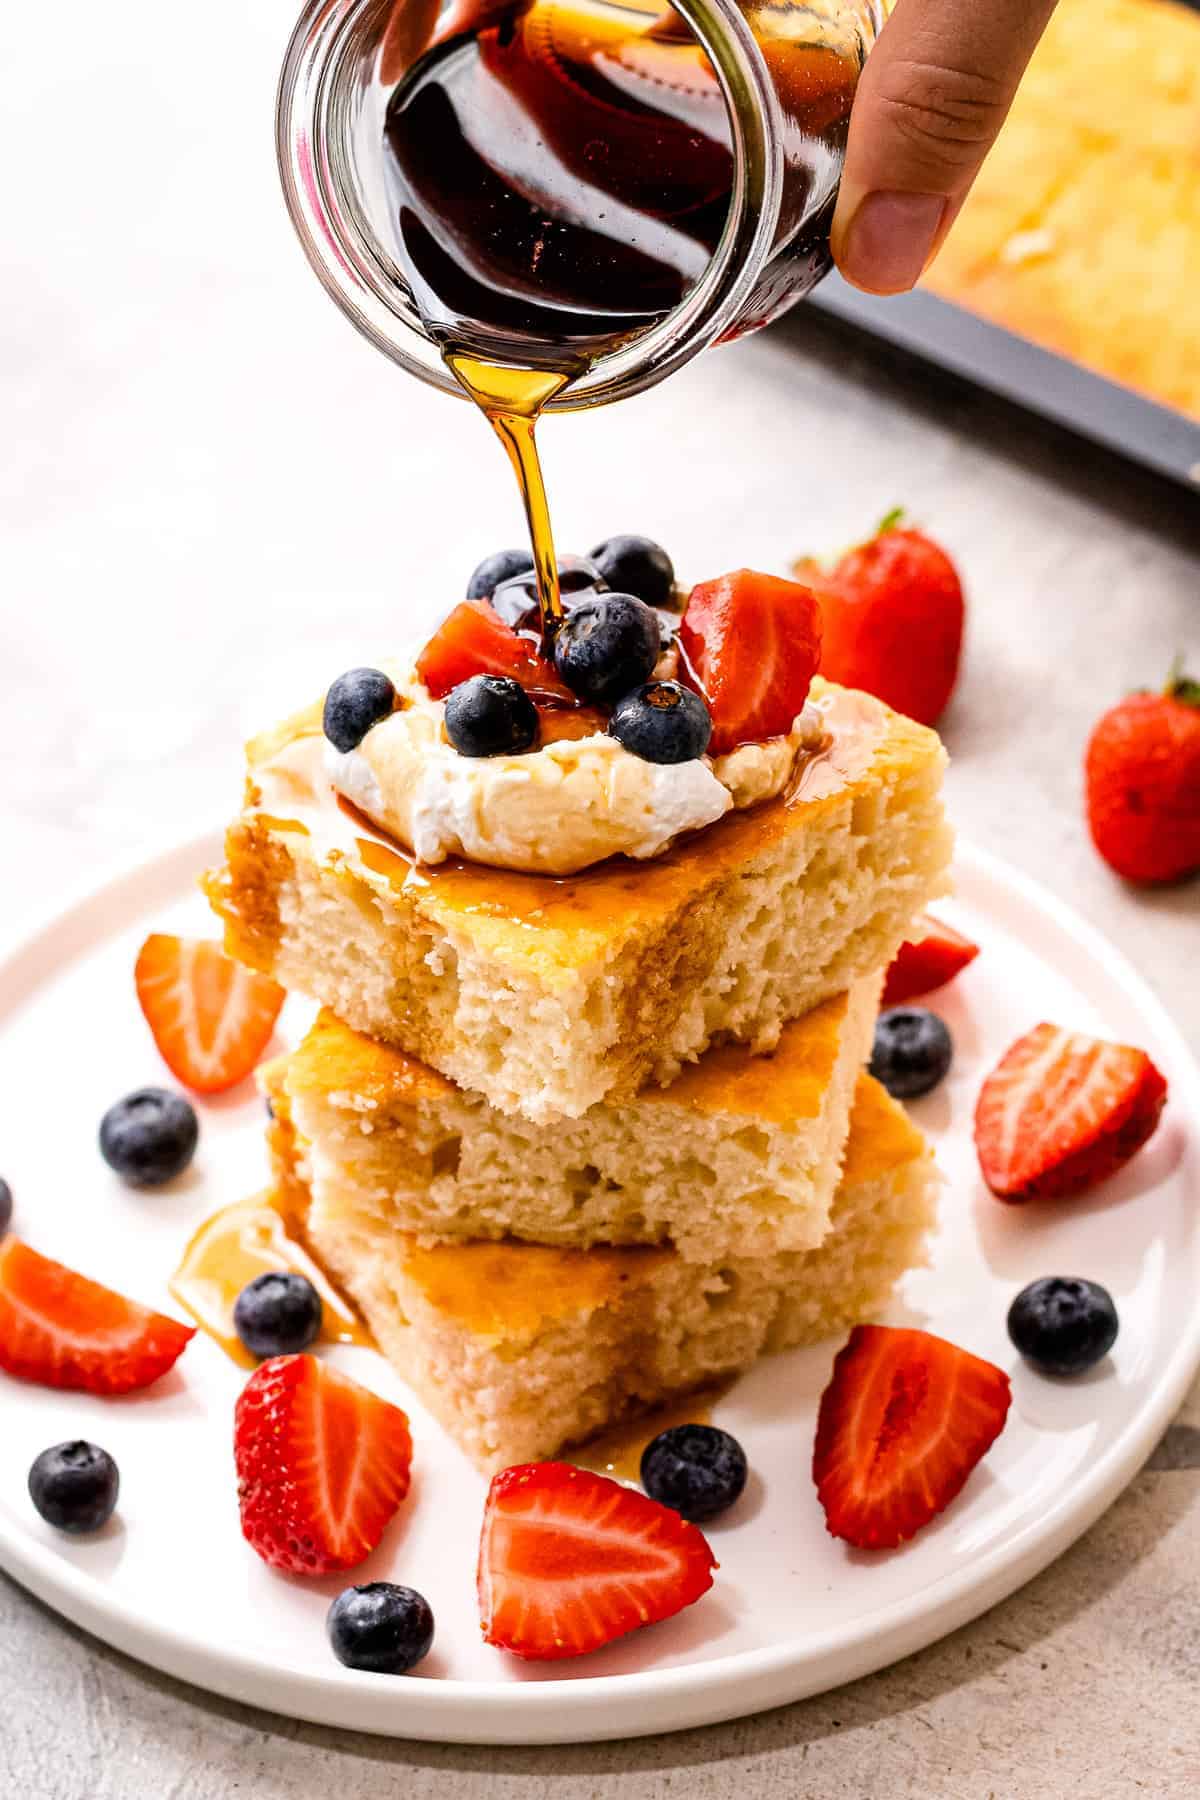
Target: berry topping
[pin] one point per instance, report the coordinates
(474, 640)
(150, 1136)
(753, 643)
(322, 1466)
(1061, 1112)
(277, 1314)
(74, 1486)
(698, 1469)
(63, 1331)
(357, 700)
(912, 1051)
(607, 646)
(211, 1017)
(380, 1627)
(934, 955)
(490, 714)
(894, 616)
(569, 1560)
(6, 1207)
(1062, 1324)
(516, 599)
(500, 566)
(1143, 784)
(903, 1422)
(662, 723)
(637, 565)
(668, 628)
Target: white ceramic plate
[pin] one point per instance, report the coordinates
(793, 1612)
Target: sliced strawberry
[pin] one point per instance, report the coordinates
(934, 955)
(569, 1560)
(211, 1018)
(1061, 1112)
(64, 1331)
(474, 640)
(322, 1465)
(752, 643)
(904, 1420)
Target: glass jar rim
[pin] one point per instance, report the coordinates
(316, 170)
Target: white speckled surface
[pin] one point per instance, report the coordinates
(212, 495)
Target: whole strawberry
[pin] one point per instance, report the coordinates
(893, 613)
(1143, 783)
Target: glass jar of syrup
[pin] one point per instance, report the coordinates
(590, 189)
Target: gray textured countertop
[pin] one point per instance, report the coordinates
(211, 490)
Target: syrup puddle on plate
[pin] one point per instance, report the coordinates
(253, 1237)
(619, 1452)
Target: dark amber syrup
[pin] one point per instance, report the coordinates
(559, 176)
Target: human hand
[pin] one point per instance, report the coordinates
(933, 95)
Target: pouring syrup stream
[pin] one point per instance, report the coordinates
(511, 401)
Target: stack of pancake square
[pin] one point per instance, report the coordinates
(578, 1146)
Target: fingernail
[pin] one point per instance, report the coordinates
(890, 239)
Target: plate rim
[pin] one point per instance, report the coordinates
(594, 1708)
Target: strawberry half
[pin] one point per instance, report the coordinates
(569, 1560)
(752, 644)
(904, 1420)
(1061, 1112)
(474, 640)
(934, 955)
(322, 1465)
(64, 1331)
(211, 1018)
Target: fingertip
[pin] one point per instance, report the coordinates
(883, 241)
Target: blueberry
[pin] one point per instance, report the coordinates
(277, 1314)
(1063, 1324)
(494, 569)
(637, 565)
(516, 599)
(662, 723)
(356, 701)
(6, 1207)
(912, 1051)
(381, 1627)
(149, 1136)
(490, 714)
(698, 1469)
(607, 645)
(74, 1486)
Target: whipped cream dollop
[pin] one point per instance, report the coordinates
(553, 810)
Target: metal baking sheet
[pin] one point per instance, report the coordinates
(951, 338)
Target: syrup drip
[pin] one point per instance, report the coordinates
(619, 1452)
(379, 850)
(559, 724)
(254, 1237)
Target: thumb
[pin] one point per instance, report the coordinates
(933, 95)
